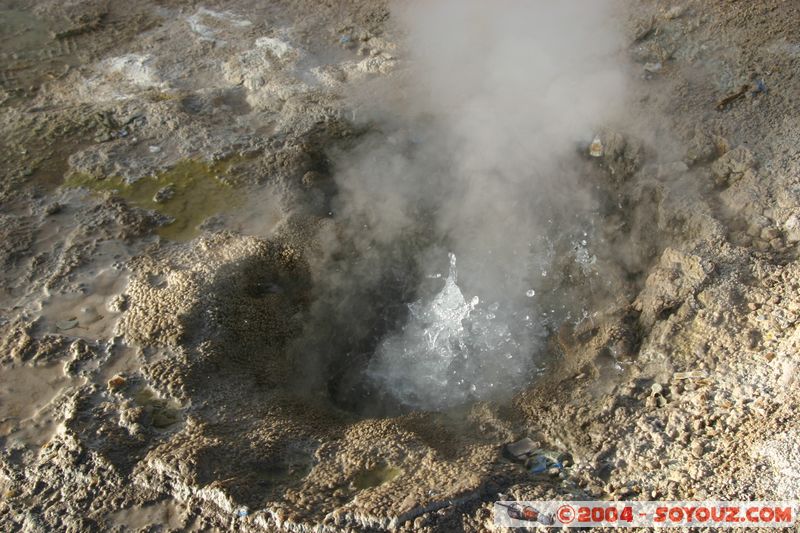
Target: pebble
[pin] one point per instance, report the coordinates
(674, 13)
(768, 234)
(698, 449)
(521, 449)
(164, 194)
(116, 382)
(652, 68)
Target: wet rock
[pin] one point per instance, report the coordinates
(67, 324)
(520, 450)
(164, 194)
(53, 209)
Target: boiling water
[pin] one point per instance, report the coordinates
(453, 350)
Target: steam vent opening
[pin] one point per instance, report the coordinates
(425, 331)
(395, 265)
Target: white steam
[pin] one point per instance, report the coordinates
(477, 146)
(516, 86)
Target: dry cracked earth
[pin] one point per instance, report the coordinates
(166, 177)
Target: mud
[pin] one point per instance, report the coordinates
(177, 354)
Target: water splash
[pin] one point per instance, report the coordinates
(453, 350)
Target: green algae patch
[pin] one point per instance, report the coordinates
(188, 193)
(375, 476)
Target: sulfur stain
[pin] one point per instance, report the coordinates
(198, 193)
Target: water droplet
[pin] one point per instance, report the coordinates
(531, 293)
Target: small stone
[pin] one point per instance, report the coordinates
(164, 194)
(117, 382)
(64, 325)
(769, 234)
(596, 149)
(698, 449)
(652, 68)
(674, 13)
(521, 449)
(53, 209)
(656, 389)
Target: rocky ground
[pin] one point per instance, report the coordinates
(167, 178)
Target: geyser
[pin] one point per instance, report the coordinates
(469, 150)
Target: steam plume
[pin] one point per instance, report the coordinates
(472, 152)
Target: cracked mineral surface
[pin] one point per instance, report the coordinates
(191, 319)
